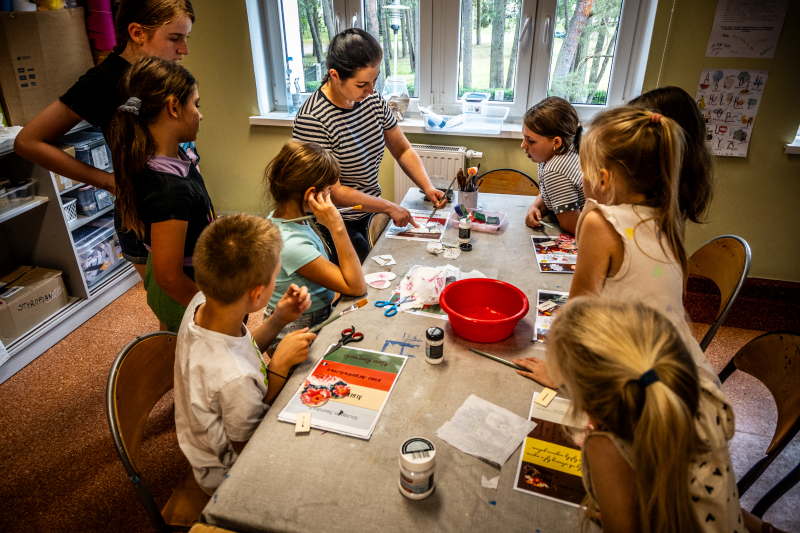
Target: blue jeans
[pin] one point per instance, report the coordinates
(358, 230)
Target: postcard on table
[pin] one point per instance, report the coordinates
(427, 231)
(555, 254)
(347, 391)
(547, 304)
(550, 462)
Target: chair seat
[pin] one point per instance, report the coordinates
(186, 503)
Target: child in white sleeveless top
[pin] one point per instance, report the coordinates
(629, 233)
(655, 452)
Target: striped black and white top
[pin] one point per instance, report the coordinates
(561, 183)
(353, 136)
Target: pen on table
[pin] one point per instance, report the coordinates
(444, 198)
(498, 359)
(309, 217)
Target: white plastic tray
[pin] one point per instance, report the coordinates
(477, 226)
(491, 124)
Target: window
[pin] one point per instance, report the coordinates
(591, 52)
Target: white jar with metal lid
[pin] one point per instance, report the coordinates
(417, 463)
(434, 345)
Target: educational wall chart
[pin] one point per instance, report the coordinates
(347, 391)
(746, 28)
(729, 99)
(550, 462)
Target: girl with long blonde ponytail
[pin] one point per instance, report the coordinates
(655, 458)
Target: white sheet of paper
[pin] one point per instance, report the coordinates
(746, 28)
(729, 99)
(490, 483)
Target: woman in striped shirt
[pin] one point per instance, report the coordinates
(350, 120)
(551, 137)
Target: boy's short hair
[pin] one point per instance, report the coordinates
(235, 254)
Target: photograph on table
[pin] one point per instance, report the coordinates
(550, 462)
(547, 304)
(347, 391)
(427, 231)
(555, 254)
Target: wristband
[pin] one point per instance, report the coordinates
(271, 372)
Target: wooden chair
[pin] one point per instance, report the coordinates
(773, 359)
(140, 375)
(508, 181)
(377, 223)
(725, 261)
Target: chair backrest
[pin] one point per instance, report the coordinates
(774, 359)
(508, 181)
(377, 223)
(141, 374)
(725, 261)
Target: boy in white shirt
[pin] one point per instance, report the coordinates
(223, 386)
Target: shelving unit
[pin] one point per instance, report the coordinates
(37, 233)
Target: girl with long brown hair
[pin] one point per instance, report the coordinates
(299, 180)
(161, 195)
(655, 456)
(630, 232)
(143, 27)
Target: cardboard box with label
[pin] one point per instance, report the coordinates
(30, 299)
(43, 54)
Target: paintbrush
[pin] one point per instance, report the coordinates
(498, 359)
(355, 306)
(543, 223)
(436, 207)
(309, 217)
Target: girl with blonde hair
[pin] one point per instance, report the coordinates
(300, 180)
(655, 456)
(630, 231)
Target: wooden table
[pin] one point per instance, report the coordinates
(283, 482)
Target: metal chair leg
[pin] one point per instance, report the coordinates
(776, 492)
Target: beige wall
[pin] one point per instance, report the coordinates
(755, 196)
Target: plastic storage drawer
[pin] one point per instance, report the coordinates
(91, 148)
(97, 247)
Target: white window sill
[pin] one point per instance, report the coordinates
(511, 130)
(792, 149)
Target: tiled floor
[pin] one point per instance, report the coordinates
(60, 471)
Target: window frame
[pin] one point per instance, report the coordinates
(439, 69)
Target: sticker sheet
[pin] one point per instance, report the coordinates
(729, 100)
(556, 255)
(347, 391)
(426, 232)
(547, 304)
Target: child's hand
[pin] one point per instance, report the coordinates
(538, 371)
(326, 213)
(294, 303)
(292, 350)
(533, 217)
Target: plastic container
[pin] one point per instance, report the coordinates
(103, 198)
(26, 191)
(96, 245)
(483, 310)
(87, 201)
(91, 148)
(5, 199)
(434, 345)
(417, 467)
(475, 104)
(70, 209)
(489, 124)
(479, 226)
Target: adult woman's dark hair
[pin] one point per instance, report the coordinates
(150, 15)
(555, 117)
(697, 172)
(352, 50)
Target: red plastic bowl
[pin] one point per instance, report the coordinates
(483, 310)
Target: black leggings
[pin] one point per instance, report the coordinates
(358, 230)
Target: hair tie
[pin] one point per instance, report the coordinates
(133, 105)
(579, 126)
(648, 378)
(656, 118)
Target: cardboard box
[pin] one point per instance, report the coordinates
(12, 274)
(43, 54)
(29, 300)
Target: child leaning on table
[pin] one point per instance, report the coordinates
(299, 180)
(630, 232)
(223, 385)
(655, 455)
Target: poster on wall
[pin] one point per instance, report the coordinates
(729, 99)
(746, 28)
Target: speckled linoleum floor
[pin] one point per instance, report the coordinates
(59, 470)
